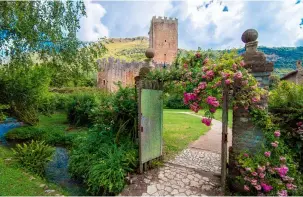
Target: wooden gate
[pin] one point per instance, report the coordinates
(150, 130)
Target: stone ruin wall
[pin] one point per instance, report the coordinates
(113, 70)
(163, 38)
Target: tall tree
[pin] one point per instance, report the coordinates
(45, 31)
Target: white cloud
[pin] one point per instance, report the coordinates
(132, 18)
(91, 25)
(276, 21)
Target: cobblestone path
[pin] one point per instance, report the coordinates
(191, 173)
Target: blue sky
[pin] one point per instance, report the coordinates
(215, 24)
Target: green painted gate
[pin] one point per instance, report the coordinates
(150, 121)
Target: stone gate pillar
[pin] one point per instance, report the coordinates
(246, 136)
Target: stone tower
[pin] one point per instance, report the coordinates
(163, 38)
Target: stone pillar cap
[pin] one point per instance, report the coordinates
(150, 53)
(249, 35)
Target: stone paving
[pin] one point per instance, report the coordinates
(191, 173)
(200, 160)
(180, 181)
(174, 180)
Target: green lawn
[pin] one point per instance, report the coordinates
(179, 130)
(16, 182)
(218, 116)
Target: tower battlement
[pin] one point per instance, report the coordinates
(160, 19)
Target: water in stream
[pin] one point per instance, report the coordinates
(56, 170)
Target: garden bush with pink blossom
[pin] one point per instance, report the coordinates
(228, 70)
(272, 171)
(285, 105)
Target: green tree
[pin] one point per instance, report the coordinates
(45, 32)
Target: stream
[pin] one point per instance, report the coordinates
(56, 171)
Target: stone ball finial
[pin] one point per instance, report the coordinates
(149, 53)
(249, 35)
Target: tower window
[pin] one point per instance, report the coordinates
(103, 82)
(165, 40)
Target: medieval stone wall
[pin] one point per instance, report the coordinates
(163, 38)
(112, 71)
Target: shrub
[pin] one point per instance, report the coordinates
(175, 101)
(33, 156)
(24, 90)
(3, 108)
(102, 163)
(286, 103)
(25, 133)
(79, 110)
(120, 111)
(286, 95)
(61, 101)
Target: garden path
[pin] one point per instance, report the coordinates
(191, 173)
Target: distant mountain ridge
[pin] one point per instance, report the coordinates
(283, 57)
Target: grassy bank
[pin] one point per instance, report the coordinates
(15, 181)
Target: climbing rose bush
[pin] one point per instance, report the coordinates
(269, 171)
(269, 175)
(212, 76)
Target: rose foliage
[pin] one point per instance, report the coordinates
(271, 171)
(204, 80)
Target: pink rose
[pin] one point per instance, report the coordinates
(283, 159)
(227, 82)
(242, 63)
(275, 144)
(212, 101)
(282, 170)
(245, 155)
(254, 182)
(210, 74)
(248, 169)
(254, 100)
(206, 121)
(238, 75)
(290, 186)
(246, 188)
(212, 110)
(262, 175)
(282, 193)
(198, 55)
(258, 187)
(235, 66)
(267, 154)
(266, 188)
(261, 169)
(195, 107)
(254, 173)
(299, 124)
(206, 60)
(277, 133)
(185, 66)
(202, 85)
